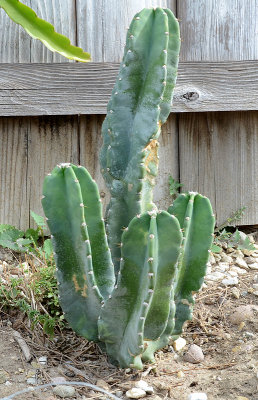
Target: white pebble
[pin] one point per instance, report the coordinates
(230, 281)
(215, 276)
(241, 262)
(233, 273)
(64, 391)
(197, 396)
(179, 344)
(135, 393)
(253, 266)
(240, 271)
(223, 266)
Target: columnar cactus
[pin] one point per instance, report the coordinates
(128, 283)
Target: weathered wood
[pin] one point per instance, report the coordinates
(101, 25)
(219, 160)
(55, 89)
(216, 30)
(52, 140)
(14, 202)
(17, 46)
(219, 151)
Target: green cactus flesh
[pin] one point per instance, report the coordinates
(68, 193)
(139, 105)
(140, 302)
(194, 213)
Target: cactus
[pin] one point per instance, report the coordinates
(128, 284)
(139, 105)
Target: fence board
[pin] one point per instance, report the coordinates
(218, 151)
(14, 169)
(102, 25)
(57, 89)
(18, 47)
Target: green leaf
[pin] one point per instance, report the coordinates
(48, 248)
(32, 234)
(42, 30)
(215, 248)
(40, 221)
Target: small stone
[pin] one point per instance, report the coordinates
(101, 383)
(144, 386)
(235, 292)
(215, 276)
(255, 293)
(64, 391)
(179, 344)
(180, 374)
(253, 266)
(241, 398)
(58, 379)
(242, 313)
(255, 278)
(212, 259)
(135, 393)
(249, 334)
(233, 273)
(255, 286)
(32, 381)
(227, 259)
(250, 260)
(240, 271)
(8, 383)
(241, 263)
(217, 257)
(241, 326)
(247, 252)
(194, 354)
(197, 396)
(119, 393)
(43, 360)
(223, 266)
(230, 281)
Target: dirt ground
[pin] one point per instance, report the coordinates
(229, 369)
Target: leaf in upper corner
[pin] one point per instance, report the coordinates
(42, 30)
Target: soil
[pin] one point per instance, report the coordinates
(229, 368)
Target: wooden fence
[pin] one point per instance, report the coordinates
(51, 110)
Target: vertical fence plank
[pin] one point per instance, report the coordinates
(102, 25)
(52, 140)
(215, 147)
(14, 170)
(49, 140)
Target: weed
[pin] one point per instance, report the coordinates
(33, 291)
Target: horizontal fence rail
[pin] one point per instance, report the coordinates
(72, 88)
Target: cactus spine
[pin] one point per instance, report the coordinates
(130, 289)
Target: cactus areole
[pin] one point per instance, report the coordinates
(127, 281)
